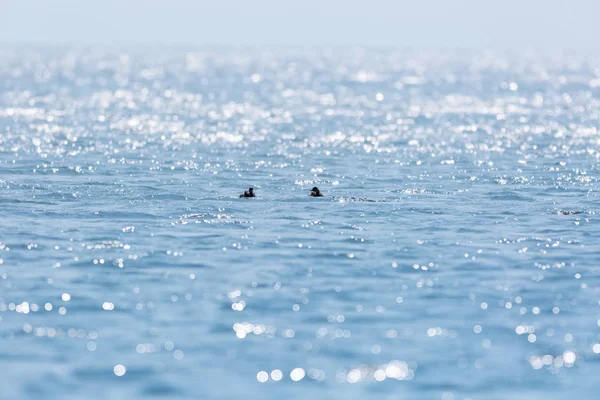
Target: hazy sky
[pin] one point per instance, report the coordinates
(570, 24)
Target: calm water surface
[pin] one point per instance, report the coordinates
(438, 266)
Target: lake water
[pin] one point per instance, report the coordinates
(442, 263)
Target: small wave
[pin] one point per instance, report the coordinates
(208, 218)
(510, 196)
(105, 244)
(166, 196)
(414, 191)
(17, 201)
(353, 199)
(424, 211)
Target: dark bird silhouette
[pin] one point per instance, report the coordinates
(315, 192)
(248, 193)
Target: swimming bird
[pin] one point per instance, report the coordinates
(563, 212)
(248, 193)
(315, 192)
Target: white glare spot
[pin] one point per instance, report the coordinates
(262, 376)
(354, 376)
(119, 370)
(569, 357)
(297, 374)
(66, 297)
(568, 338)
(447, 396)
(276, 375)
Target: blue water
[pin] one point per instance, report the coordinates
(439, 264)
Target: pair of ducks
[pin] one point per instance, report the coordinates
(315, 192)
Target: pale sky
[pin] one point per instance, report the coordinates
(516, 24)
